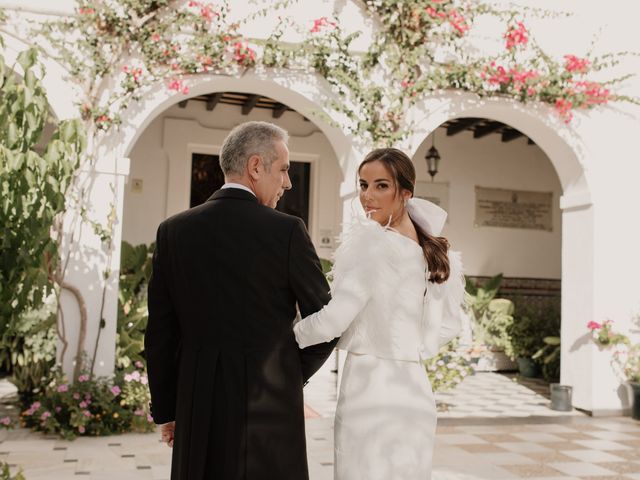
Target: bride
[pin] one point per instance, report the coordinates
(397, 293)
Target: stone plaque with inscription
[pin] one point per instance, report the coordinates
(497, 207)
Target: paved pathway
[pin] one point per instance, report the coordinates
(473, 442)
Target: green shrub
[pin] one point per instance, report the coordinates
(492, 316)
(92, 407)
(5, 473)
(135, 272)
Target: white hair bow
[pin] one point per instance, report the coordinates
(427, 215)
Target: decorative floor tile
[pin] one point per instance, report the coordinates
(548, 457)
(534, 470)
(523, 447)
(519, 438)
(603, 445)
(580, 468)
(593, 456)
(620, 467)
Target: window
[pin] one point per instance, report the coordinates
(207, 177)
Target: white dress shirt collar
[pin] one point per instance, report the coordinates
(238, 185)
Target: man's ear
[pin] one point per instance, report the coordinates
(255, 167)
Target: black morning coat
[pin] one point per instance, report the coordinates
(222, 357)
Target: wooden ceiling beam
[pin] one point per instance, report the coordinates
(461, 125)
(213, 100)
(510, 134)
(248, 105)
(485, 130)
(278, 110)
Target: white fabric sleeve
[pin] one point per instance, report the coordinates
(354, 272)
(347, 301)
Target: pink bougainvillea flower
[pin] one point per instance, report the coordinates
(207, 12)
(575, 64)
(320, 23)
(6, 421)
(85, 378)
(177, 85)
(458, 22)
(81, 429)
(499, 77)
(563, 107)
(516, 35)
(116, 390)
(593, 325)
(63, 388)
(138, 363)
(243, 54)
(595, 93)
(83, 404)
(155, 37)
(45, 415)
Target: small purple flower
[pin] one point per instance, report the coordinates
(139, 364)
(83, 378)
(63, 388)
(149, 418)
(33, 408)
(83, 404)
(116, 390)
(45, 415)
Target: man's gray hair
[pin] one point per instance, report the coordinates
(247, 139)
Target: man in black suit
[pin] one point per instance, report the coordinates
(225, 371)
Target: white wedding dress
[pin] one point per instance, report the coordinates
(386, 415)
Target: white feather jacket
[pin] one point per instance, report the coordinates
(379, 306)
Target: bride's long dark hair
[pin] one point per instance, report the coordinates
(401, 168)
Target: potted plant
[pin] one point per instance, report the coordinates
(491, 319)
(626, 357)
(534, 331)
(632, 374)
(525, 342)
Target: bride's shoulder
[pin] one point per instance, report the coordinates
(360, 245)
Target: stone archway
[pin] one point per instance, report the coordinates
(304, 93)
(565, 149)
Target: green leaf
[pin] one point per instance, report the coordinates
(28, 58)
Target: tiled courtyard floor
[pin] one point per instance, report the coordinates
(493, 428)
